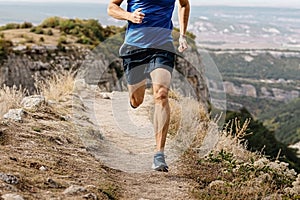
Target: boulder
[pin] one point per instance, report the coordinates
(15, 115)
(32, 102)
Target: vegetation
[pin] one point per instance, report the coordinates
(260, 139)
(16, 26)
(263, 66)
(10, 97)
(57, 150)
(88, 32)
(242, 67)
(5, 46)
(222, 176)
(284, 121)
(57, 86)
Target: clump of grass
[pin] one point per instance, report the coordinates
(175, 117)
(10, 97)
(57, 86)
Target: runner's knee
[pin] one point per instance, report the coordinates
(136, 101)
(161, 95)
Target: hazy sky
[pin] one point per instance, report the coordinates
(269, 3)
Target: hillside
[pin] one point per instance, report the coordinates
(50, 154)
(284, 121)
(266, 82)
(71, 140)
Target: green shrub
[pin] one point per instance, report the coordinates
(62, 40)
(26, 25)
(33, 29)
(49, 32)
(84, 40)
(66, 25)
(10, 26)
(5, 47)
(51, 22)
(42, 39)
(29, 39)
(39, 30)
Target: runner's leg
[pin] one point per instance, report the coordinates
(161, 79)
(136, 93)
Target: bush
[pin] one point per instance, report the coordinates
(42, 39)
(26, 25)
(84, 40)
(50, 22)
(39, 30)
(29, 39)
(5, 46)
(10, 26)
(66, 25)
(62, 40)
(49, 32)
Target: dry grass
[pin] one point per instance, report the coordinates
(10, 97)
(186, 113)
(58, 86)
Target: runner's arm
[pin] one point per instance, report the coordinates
(117, 12)
(183, 15)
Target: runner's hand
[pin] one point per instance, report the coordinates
(182, 43)
(137, 16)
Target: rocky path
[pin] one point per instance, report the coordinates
(127, 145)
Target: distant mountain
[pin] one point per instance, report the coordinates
(266, 82)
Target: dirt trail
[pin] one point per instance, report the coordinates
(127, 144)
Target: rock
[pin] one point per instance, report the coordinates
(11, 197)
(32, 102)
(74, 189)
(106, 95)
(90, 196)
(10, 179)
(52, 184)
(15, 115)
(42, 168)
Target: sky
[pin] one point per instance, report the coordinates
(265, 3)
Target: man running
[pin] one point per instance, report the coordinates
(148, 52)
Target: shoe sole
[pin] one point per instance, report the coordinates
(161, 168)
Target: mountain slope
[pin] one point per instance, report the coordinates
(284, 121)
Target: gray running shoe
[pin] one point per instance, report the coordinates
(159, 163)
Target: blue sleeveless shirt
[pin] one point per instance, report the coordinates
(156, 29)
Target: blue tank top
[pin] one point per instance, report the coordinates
(156, 29)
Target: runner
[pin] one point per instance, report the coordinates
(148, 52)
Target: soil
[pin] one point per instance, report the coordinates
(48, 153)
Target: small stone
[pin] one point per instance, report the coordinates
(52, 184)
(105, 95)
(11, 197)
(90, 196)
(33, 102)
(42, 168)
(10, 179)
(15, 115)
(74, 189)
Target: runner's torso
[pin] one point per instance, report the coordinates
(156, 29)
